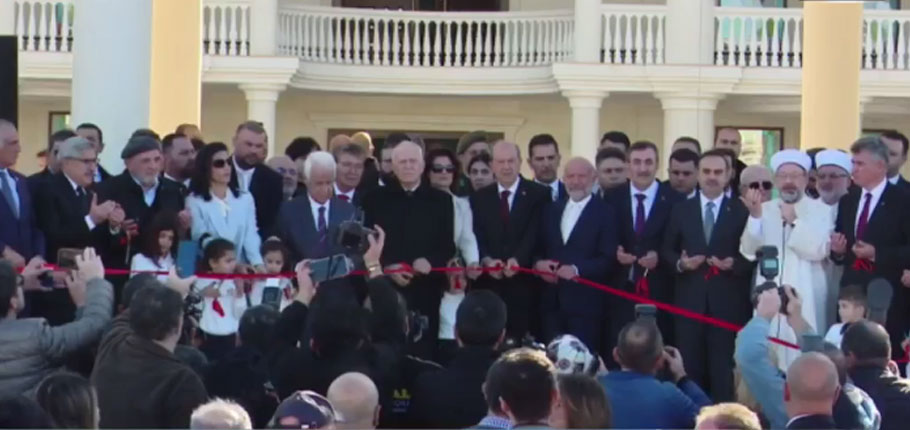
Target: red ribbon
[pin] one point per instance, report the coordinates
(861, 264)
(712, 272)
(216, 305)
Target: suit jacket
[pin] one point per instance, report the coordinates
(813, 422)
(297, 228)
(128, 194)
(22, 233)
(660, 280)
(889, 393)
(903, 183)
(452, 397)
(518, 239)
(726, 294)
(239, 226)
(266, 188)
(34, 181)
(561, 193)
(591, 248)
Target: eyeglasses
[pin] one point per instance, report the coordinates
(219, 164)
(440, 169)
(84, 160)
(767, 185)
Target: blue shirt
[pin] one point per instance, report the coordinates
(640, 401)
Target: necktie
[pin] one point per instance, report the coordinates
(344, 197)
(640, 215)
(709, 222)
(554, 190)
(7, 192)
(321, 227)
(863, 218)
(83, 201)
(504, 206)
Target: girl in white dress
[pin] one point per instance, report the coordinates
(275, 257)
(223, 301)
(157, 247)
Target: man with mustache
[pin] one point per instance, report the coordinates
(832, 181)
(800, 228)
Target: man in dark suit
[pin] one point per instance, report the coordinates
(20, 239)
(712, 278)
(682, 172)
(731, 139)
(579, 238)
(53, 163)
(867, 349)
(810, 391)
(507, 225)
(643, 209)
(543, 158)
(897, 156)
(71, 217)
(92, 133)
(419, 222)
(179, 159)
(308, 224)
(872, 233)
(350, 158)
(251, 175)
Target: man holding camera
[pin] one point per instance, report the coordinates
(798, 230)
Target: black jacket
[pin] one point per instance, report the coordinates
(242, 375)
(890, 393)
(452, 397)
(519, 238)
(266, 188)
(813, 422)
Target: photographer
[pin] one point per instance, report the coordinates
(30, 348)
(637, 398)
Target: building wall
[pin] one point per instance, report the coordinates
(34, 115)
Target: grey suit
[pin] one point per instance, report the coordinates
(297, 227)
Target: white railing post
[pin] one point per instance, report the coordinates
(588, 23)
(690, 32)
(263, 27)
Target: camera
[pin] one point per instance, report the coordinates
(769, 267)
(645, 311)
(352, 237)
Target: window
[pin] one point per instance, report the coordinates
(759, 143)
(57, 121)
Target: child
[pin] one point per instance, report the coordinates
(223, 302)
(851, 307)
(157, 248)
(448, 307)
(275, 257)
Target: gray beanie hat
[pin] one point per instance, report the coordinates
(139, 144)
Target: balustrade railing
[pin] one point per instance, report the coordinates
(45, 26)
(226, 27)
(758, 37)
(633, 34)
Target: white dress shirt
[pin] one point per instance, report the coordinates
(876, 196)
(141, 263)
(76, 187)
(244, 177)
(650, 195)
(185, 182)
(704, 207)
(147, 194)
(97, 177)
(893, 180)
(554, 188)
(349, 194)
(211, 322)
(5, 175)
(314, 207)
(512, 189)
(570, 216)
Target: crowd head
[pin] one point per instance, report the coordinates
(611, 167)
(521, 385)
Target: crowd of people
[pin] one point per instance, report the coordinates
(465, 296)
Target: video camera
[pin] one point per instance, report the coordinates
(769, 267)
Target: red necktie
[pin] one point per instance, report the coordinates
(640, 215)
(344, 197)
(863, 218)
(504, 206)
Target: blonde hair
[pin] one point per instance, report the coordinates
(732, 416)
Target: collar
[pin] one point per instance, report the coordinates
(240, 170)
(493, 421)
(893, 180)
(650, 192)
(581, 203)
(555, 183)
(512, 189)
(692, 194)
(314, 204)
(877, 190)
(140, 184)
(339, 192)
(413, 189)
(166, 176)
(717, 201)
(73, 183)
(799, 417)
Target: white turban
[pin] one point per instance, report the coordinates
(834, 157)
(794, 156)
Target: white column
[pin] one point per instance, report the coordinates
(260, 106)
(263, 27)
(687, 115)
(111, 64)
(8, 18)
(690, 32)
(585, 122)
(588, 24)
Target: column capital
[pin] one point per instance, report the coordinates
(688, 100)
(262, 91)
(585, 98)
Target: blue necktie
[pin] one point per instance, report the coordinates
(7, 192)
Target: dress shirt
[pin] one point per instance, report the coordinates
(650, 195)
(314, 207)
(147, 194)
(97, 177)
(185, 182)
(244, 177)
(570, 216)
(728, 192)
(5, 175)
(893, 180)
(704, 206)
(692, 194)
(876, 196)
(76, 187)
(349, 194)
(512, 189)
(554, 188)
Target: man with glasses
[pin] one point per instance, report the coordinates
(52, 165)
(800, 228)
(756, 177)
(832, 180)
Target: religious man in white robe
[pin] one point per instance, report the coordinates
(833, 170)
(800, 227)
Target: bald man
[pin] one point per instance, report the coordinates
(356, 401)
(506, 222)
(579, 240)
(419, 224)
(810, 391)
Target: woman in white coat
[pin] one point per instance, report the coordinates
(219, 209)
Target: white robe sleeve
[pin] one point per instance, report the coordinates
(811, 235)
(751, 239)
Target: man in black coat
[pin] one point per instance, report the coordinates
(872, 233)
(897, 156)
(867, 349)
(643, 209)
(730, 138)
(251, 175)
(93, 133)
(52, 164)
(452, 397)
(702, 245)
(20, 239)
(812, 387)
(419, 225)
(507, 225)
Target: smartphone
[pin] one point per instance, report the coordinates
(328, 268)
(187, 255)
(271, 296)
(66, 258)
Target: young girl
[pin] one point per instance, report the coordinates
(158, 246)
(223, 301)
(275, 257)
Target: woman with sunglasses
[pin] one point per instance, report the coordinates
(442, 173)
(221, 209)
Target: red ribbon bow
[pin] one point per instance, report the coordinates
(861, 264)
(642, 288)
(216, 305)
(712, 272)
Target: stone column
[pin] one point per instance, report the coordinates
(585, 122)
(687, 114)
(261, 100)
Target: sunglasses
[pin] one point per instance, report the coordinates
(219, 164)
(441, 169)
(767, 185)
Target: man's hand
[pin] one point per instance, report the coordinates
(788, 212)
(89, 265)
(422, 266)
(472, 271)
(794, 302)
(649, 261)
(548, 266)
(624, 257)
(753, 201)
(116, 218)
(567, 272)
(130, 227)
(76, 284)
(768, 304)
(31, 272)
(377, 242)
(864, 250)
(398, 275)
(210, 291)
(838, 243)
(176, 283)
(100, 213)
(690, 263)
(905, 278)
(495, 264)
(13, 257)
(721, 264)
(675, 363)
(511, 267)
(184, 220)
